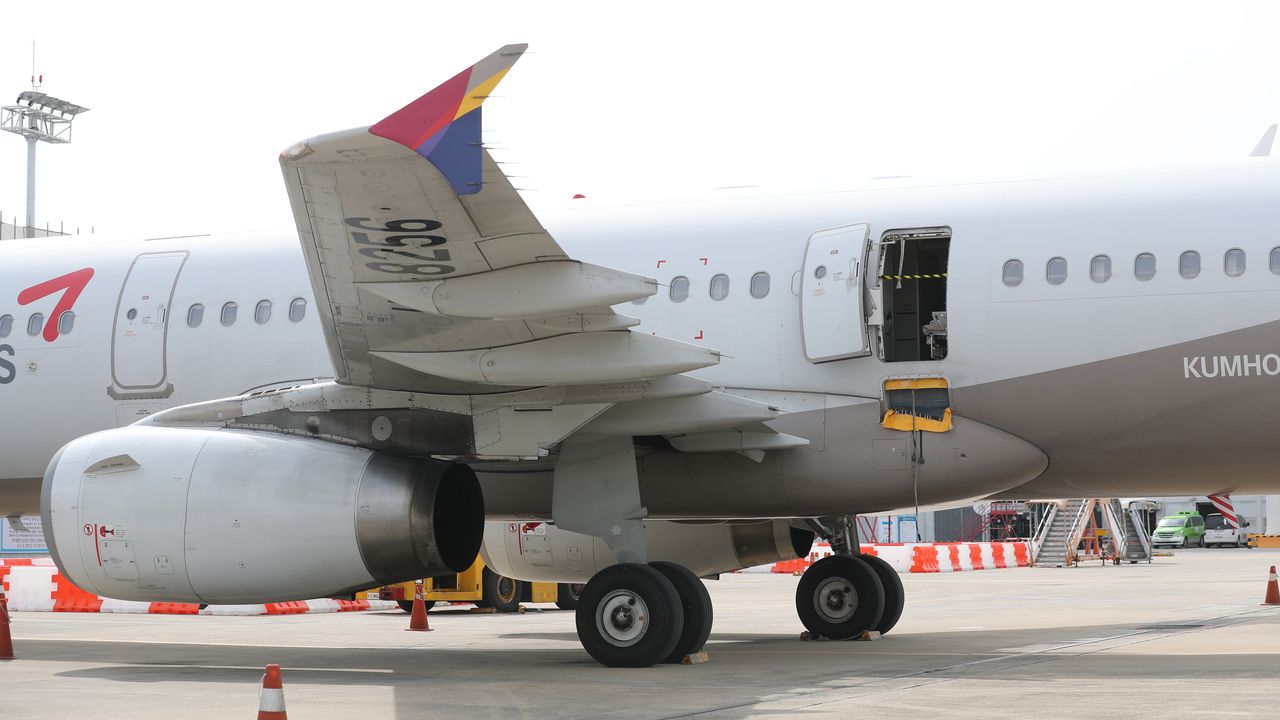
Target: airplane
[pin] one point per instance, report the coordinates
(667, 390)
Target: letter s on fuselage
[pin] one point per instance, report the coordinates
(7, 371)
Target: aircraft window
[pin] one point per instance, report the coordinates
(1233, 262)
(66, 321)
(6, 325)
(132, 314)
(1012, 274)
(1189, 264)
(719, 286)
(679, 289)
(35, 324)
(1055, 271)
(262, 313)
(760, 284)
(1275, 260)
(229, 314)
(297, 310)
(820, 271)
(195, 315)
(1144, 266)
(1100, 269)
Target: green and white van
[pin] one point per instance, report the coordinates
(1183, 529)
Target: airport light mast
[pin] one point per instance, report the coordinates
(39, 118)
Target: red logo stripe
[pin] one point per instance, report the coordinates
(71, 285)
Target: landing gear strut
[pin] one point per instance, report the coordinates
(850, 592)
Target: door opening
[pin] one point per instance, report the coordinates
(913, 282)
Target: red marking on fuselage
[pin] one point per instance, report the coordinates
(71, 285)
(704, 260)
(660, 262)
(698, 336)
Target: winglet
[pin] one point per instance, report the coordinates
(443, 126)
(1263, 148)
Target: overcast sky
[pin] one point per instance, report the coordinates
(190, 108)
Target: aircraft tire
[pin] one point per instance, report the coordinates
(629, 615)
(567, 595)
(840, 597)
(500, 593)
(696, 603)
(895, 596)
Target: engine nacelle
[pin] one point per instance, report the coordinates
(222, 516)
(545, 553)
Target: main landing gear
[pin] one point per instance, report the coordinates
(849, 593)
(637, 615)
(842, 596)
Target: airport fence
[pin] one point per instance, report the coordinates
(12, 230)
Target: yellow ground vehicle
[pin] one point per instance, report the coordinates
(482, 586)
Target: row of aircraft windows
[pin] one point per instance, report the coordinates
(1144, 267)
(35, 324)
(261, 313)
(678, 291)
(195, 316)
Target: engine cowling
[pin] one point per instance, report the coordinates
(222, 516)
(544, 553)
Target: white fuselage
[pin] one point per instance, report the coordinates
(113, 368)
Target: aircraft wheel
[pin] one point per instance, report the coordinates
(629, 615)
(500, 593)
(840, 597)
(696, 603)
(567, 595)
(895, 596)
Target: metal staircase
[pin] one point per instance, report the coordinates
(1134, 544)
(1052, 545)
(1057, 540)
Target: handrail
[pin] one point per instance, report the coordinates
(1115, 528)
(1037, 540)
(1077, 530)
(1140, 529)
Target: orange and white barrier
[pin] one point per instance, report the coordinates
(35, 585)
(928, 557)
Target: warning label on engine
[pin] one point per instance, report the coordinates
(25, 534)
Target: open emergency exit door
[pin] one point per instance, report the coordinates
(832, 322)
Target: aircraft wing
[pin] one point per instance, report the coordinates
(431, 273)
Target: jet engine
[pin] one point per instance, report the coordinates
(223, 516)
(545, 553)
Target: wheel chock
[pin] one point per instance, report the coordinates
(807, 636)
(697, 658)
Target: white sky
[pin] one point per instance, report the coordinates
(190, 107)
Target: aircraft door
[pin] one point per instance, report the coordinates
(832, 322)
(140, 335)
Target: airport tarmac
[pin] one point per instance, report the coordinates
(1182, 637)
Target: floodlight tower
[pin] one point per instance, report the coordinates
(39, 118)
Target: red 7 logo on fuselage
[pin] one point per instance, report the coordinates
(70, 285)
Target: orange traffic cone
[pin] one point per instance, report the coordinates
(6, 640)
(418, 619)
(271, 696)
(1273, 589)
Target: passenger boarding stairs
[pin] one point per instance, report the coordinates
(1057, 540)
(1135, 545)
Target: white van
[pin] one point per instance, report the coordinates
(1219, 533)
